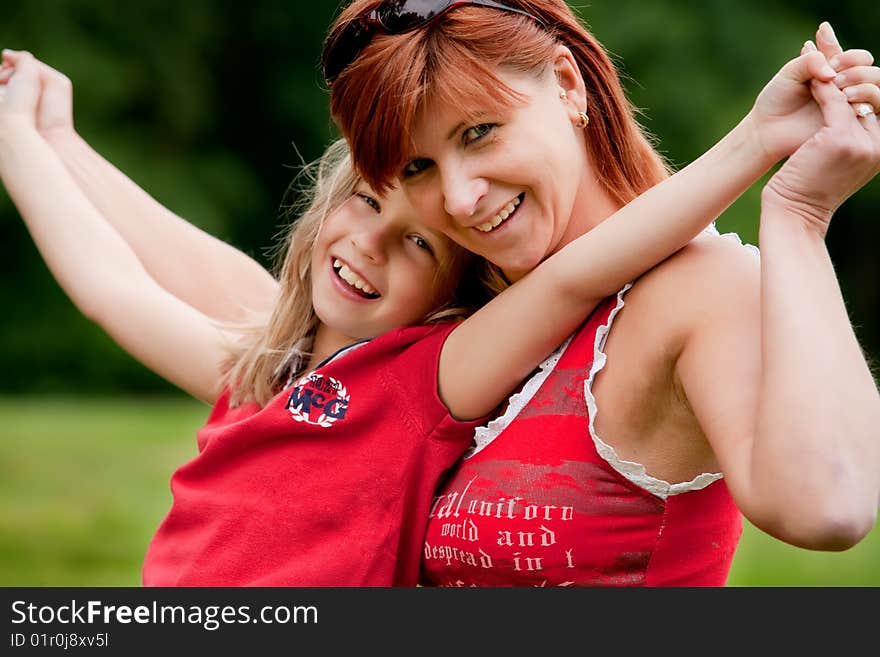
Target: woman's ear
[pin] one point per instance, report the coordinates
(572, 89)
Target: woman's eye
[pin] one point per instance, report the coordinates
(415, 167)
(476, 132)
(369, 200)
(422, 243)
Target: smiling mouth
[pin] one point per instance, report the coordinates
(354, 282)
(506, 213)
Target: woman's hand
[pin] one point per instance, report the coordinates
(785, 114)
(840, 158)
(54, 110)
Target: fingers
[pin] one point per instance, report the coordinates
(871, 123)
(858, 75)
(850, 58)
(23, 87)
(54, 107)
(857, 78)
(838, 113)
(861, 82)
(25, 62)
(7, 65)
(864, 93)
(827, 41)
(811, 65)
(835, 107)
(47, 73)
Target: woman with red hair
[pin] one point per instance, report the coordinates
(716, 384)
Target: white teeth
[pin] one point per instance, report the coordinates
(505, 212)
(351, 278)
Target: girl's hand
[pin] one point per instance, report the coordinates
(785, 114)
(20, 92)
(54, 112)
(840, 158)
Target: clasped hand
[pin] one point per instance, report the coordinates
(836, 148)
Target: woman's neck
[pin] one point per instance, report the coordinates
(592, 205)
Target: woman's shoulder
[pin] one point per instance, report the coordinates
(711, 273)
(709, 265)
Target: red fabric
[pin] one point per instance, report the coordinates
(538, 506)
(272, 500)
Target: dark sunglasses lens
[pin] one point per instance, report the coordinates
(344, 48)
(403, 15)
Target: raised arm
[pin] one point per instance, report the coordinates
(776, 377)
(567, 286)
(92, 263)
(203, 271)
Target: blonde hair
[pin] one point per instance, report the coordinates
(273, 349)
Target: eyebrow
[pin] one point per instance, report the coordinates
(455, 130)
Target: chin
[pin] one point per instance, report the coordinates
(515, 268)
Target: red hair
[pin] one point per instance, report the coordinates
(377, 99)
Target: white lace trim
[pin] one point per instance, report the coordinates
(484, 435)
(634, 472)
(713, 230)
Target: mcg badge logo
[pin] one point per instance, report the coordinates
(318, 399)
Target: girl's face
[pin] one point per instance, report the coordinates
(375, 268)
(504, 186)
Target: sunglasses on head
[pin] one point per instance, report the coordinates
(391, 17)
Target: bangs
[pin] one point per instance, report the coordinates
(453, 63)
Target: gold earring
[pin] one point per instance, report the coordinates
(583, 120)
(562, 94)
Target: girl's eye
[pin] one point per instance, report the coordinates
(476, 132)
(415, 167)
(369, 200)
(422, 243)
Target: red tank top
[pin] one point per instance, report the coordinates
(542, 501)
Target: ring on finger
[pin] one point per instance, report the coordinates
(863, 109)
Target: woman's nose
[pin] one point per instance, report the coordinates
(461, 196)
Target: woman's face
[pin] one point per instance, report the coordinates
(503, 186)
(375, 267)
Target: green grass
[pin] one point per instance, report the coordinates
(84, 484)
(764, 561)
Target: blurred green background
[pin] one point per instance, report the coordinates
(210, 105)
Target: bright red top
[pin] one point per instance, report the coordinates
(329, 484)
(537, 505)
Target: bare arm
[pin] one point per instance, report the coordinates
(203, 271)
(92, 263)
(774, 372)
